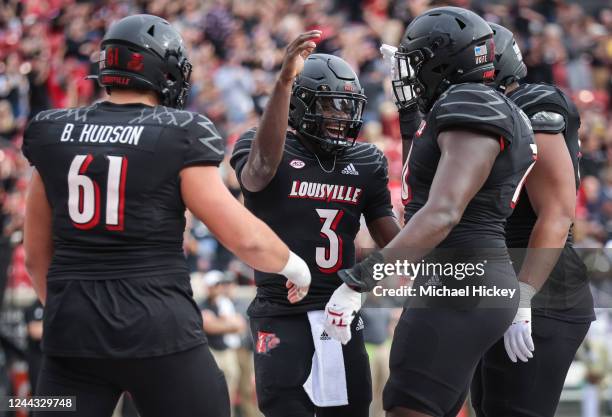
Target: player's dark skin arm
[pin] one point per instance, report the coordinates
(37, 240)
(551, 188)
(268, 145)
(465, 164)
(383, 230)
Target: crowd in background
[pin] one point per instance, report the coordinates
(47, 47)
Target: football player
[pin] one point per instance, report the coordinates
(311, 183)
(468, 159)
(556, 321)
(104, 234)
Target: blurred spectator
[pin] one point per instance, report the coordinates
(594, 354)
(223, 326)
(246, 380)
(376, 333)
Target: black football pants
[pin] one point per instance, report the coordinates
(183, 384)
(283, 365)
(501, 388)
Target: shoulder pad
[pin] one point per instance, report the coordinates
(78, 114)
(243, 143)
(248, 135)
(474, 106)
(547, 121)
(242, 147)
(204, 143)
(167, 116)
(533, 98)
(471, 101)
(363, 153)
(207, 134)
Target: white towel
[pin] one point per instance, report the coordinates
(326, 384)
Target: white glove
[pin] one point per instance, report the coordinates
(517, 339)
(388, 53)
(298, 276)
(340, 311)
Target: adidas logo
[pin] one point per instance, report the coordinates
(325, 336)
(350, 170)
(360, 325)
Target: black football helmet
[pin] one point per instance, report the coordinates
(509, 65)
(327, 103)
(144, 52)
(442, 47)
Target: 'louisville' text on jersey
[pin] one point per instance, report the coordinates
(93, 133)
(325, 192)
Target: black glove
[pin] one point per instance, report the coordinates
(360, 277)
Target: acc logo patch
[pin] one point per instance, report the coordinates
(297, 164)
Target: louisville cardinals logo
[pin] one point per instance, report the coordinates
(136, 63)
(266, 342)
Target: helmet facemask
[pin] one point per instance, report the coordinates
(331, 119)
(179, 71)
(407, 87)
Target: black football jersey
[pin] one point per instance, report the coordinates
(566, 294)
(111, 174)
(480, 108)
(316, 213)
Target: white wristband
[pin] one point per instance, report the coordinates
(296, 270)
(526, 292)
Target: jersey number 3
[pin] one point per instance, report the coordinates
(329, 260)
(84, 193)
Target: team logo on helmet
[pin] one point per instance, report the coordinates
(136, 63)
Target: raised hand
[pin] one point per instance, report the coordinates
(297, 52)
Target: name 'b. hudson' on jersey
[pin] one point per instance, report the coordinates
(102, 134)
